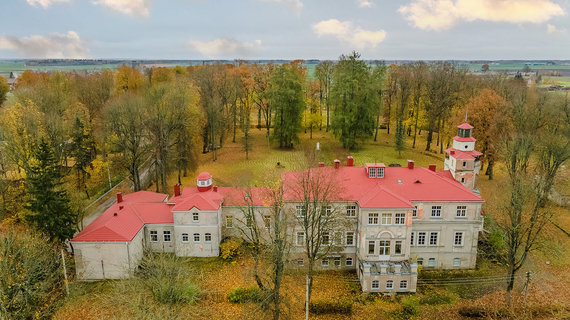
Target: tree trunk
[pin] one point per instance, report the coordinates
(377, 126)
(256, 273)
(510, 284)
(489, 171)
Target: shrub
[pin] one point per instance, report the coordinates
(229, 249)
(31, 277)
(163, 275)
(340, 306)
(472, 312)
(242, 295)
(410, 308)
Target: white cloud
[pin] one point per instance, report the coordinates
(294, 5)
(55, 45)
(44, 3)
(365, 4)
(551, 28)
(139, 8)
(345, 31)
(225, 48)
(444, 14)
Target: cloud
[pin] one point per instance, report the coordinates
(345, 31)
(444, 14)
(139, 8)
(365, 4)
(294, 5)
(55, 45)
(225, 48)
(44, 3)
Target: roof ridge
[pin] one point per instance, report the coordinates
(454, 183)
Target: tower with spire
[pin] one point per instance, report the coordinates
(462, 160)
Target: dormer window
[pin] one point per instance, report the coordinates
(372, 173)
(375, 170)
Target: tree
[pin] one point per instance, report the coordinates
(378, 83)
(419, 74)
(261, 83)
(390, 92)
(4, 89)
(287, 99)
(354, 100)
(128, 80)
(83, 152)
(317, 218)
(125, 120)
(324, 72)
(404, 83)
(49, 207)
(485, 67)
(312, 114)
(539, 129)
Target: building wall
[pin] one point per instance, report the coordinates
(464, 146)
(108, 260)
(197, 244)
(160, 245)
(382, 232)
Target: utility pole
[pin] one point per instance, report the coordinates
(307, 297)
(65, 273)
(526, 285)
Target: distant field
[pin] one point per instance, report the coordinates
(516, 66)
(17, 66)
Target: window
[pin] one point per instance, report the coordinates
(267, 222)
(300, 238)
(300, 262)
(372, 218)
(458, 239)
(462, 180)
(436, 211)
(389, 284)
(421, 238)
(404, 284)
(153, 236)
(195, 217)
(400, 218)
(421, 261)
(350, 238)
(464, 164)
(371, 172)
(386, 218)
(412, 238)
(398, 247)
(208, 237)
(337, 262)
(229, 222)
(384, 247)
(325, 262)
(196, 237)
(184, 237)
(456, 262)
(375, 284)
(433, 238)
(300, 211)
(461, 211)
(380, 173)
(351, 211)
(415, 212)
(326, 238)
(348, 261)
(166, 236)
(328, 211)
(431, 262)
(371, 247)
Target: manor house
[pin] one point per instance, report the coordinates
(396, 219)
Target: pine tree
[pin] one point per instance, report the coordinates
(83, 151)
(399, 137)
(49, 203)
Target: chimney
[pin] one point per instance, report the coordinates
(410, 164)
(349, 161)
(336, 163)
(215, 188)
(119, 197)
(432, 167)
(452, 152)
(177, 190)
(321, 164)
(121, 207)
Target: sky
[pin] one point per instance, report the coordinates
(285, 29)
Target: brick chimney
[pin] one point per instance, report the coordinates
(410, 164)
(177, 190)
(452, 152)
(336, 163)
(321, 164)
(119, 197)
(432, 167)
(349, 161)
(215, 188)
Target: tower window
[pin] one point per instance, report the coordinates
(464, 164)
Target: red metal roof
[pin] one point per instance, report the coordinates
(375, 165)
(136, 210)
(204, 176)
(464, 139)
(463, 155)
(192, 198)
(465, 125)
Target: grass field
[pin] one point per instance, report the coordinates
(129, 299)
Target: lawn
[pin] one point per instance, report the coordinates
(127, 299)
